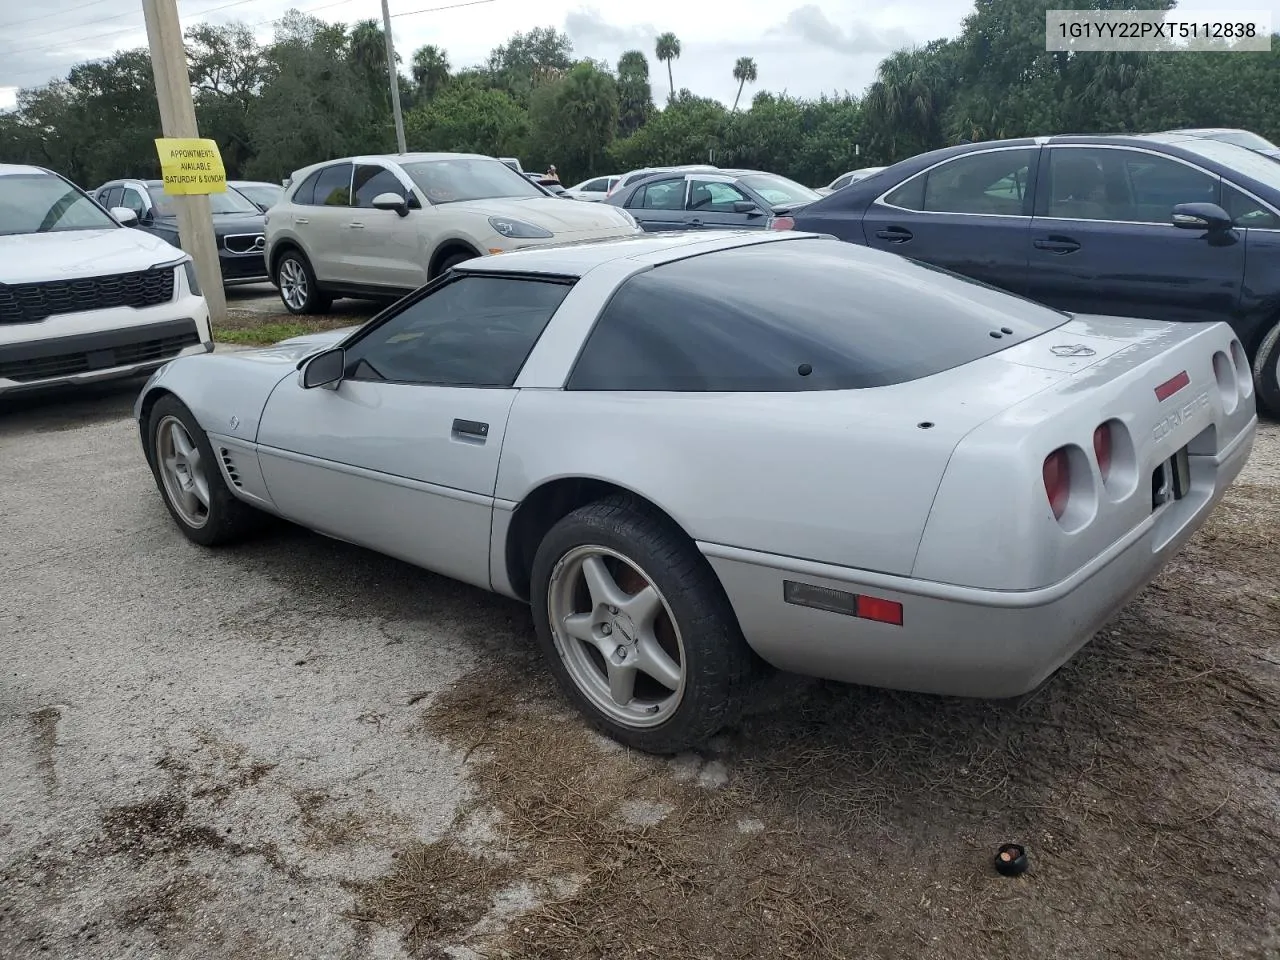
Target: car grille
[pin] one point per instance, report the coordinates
(71, 355)
(244, 242)
(33, 302)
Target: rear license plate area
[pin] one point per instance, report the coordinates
(1171, 480)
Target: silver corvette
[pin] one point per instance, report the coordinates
(701, 455)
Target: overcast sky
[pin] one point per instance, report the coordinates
(830, 46)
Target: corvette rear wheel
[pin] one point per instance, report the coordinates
(1266, 373)
(189, 479)
(637, 629)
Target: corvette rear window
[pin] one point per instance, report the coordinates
(804, 314)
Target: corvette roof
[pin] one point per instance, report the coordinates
(647, 249)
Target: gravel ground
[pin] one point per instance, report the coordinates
(299, 749)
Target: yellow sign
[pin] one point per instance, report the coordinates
(190, 165)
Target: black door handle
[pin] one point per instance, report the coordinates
(695, 222)
(1057, 244)
(894, 234)
(470, 428)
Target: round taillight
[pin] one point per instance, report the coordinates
(1102, 449)
(1057, 481)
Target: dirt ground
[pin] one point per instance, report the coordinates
(349, 758)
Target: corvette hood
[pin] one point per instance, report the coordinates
(551, 213)
(67, 254)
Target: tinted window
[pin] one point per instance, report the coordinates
(473, 331)
(599, 185)
(909, 195)
(839, 182)
(132, 199)
(229, 201)
(43, 203)
(1121, 185)
(333, 186)
(111, 198)
(1245, 211)
(779, 190)
(663, 195)
(729, 321)
(990, 183)
(305, 194)
(372, 180)
(709, 196)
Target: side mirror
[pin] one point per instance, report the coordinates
(1201, 216)
(324, 369)
(126, 216)
(391, 201)
(747, 207)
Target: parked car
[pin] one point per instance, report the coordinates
(381, 226)
(549, 184)
(1165, 226)
(261, 194)
(853, 176)
(237, 224)
(631, 176)
(595, 189)
(1241, 138)
(513, 163)
(746, 199)
(913, 481)
(82, 298)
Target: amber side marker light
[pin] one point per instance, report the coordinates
(1172, 386)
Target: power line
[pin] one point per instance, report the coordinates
(452, 6)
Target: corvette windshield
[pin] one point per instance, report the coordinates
(42, 203)
(449, 181)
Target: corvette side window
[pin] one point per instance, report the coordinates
(474, 331)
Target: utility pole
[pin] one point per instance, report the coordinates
(395, 76)
(178, 119)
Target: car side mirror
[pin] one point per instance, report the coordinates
(1201, 216)
(391, 201)
(324, 369)
(747, 207)
(127, 217)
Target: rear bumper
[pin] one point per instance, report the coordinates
(961, 641)
(99, 345)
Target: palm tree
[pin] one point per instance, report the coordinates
(430, 70)
(668, 49)
(744, 71)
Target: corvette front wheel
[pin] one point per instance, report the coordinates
(1266, 373)
(637, 628)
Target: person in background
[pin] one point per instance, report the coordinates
(551, 173)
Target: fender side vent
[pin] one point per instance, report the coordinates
(230, 465)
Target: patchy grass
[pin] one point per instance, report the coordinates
(861, 822)
(257, 329)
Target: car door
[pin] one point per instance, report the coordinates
(323, 226)
(402, 456)
(709, 205)
(1102, 240)
(970, 214)
(659, 205)
(382, 247)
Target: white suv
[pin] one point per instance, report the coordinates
(382, 226)
(82, 298)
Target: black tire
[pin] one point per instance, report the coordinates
(1266, 373)
(719, 668)
(315, 299)
(227, 519)
(452, 261)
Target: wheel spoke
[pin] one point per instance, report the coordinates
(604, 589)
(654, 661)
(200, 488)
(578, 626)
(622, 682)
(178, 437)
(643, 608)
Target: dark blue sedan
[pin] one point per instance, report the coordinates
(711, 199)
(1165, 226)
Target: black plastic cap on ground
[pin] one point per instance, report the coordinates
(1011, 860)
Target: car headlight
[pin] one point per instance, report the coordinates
(518, 229)
(193, 281)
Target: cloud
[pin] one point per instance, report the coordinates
(589, 30)
(810, 25)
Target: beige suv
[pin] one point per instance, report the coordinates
(382, 226)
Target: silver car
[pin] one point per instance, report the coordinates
(699, 455)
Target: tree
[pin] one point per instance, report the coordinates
(635, 96)
(667, 49)
(430, 70)
(572, 122)
(529, 59)
(744, 71)
(467, 118)
(227, 69)
(687, 131)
